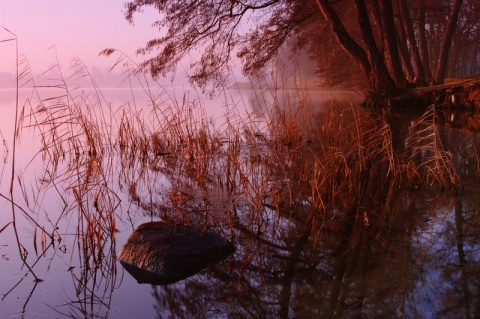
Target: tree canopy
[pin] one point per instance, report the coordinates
(392, 43)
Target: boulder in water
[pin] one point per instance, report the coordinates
(161, 253)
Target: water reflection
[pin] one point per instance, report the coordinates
(410, 252)
(334, 214)
(419, 270)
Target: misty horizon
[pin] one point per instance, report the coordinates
(105, 78)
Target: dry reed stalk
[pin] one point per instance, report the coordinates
(288, 169)
(432, 162)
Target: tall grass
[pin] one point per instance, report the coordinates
(305, 164)
(295, 168)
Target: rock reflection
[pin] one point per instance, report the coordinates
(388, 252)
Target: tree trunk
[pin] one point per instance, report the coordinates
(423, 42)
(474, 61)
(377, 21)
(388, 26)
(346, 41)
(447, 40)
(402, 48)
(407, 23)
(380, 78)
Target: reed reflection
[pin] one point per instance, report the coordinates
(334, 226)
(331, 214)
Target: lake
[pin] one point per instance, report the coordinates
(333, 211)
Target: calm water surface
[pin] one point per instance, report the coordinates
(422, 263)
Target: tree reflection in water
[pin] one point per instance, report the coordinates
(333, 215)
(385, 249)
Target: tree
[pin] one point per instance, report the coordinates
(464, 55)
(447, 40)
(383, 39)
(381, 82)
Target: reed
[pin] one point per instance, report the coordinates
(293, 168)
(290, 157)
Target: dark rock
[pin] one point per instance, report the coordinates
(161, 253)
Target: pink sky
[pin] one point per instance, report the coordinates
(77, 28)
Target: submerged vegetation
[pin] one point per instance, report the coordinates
(314, 188)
